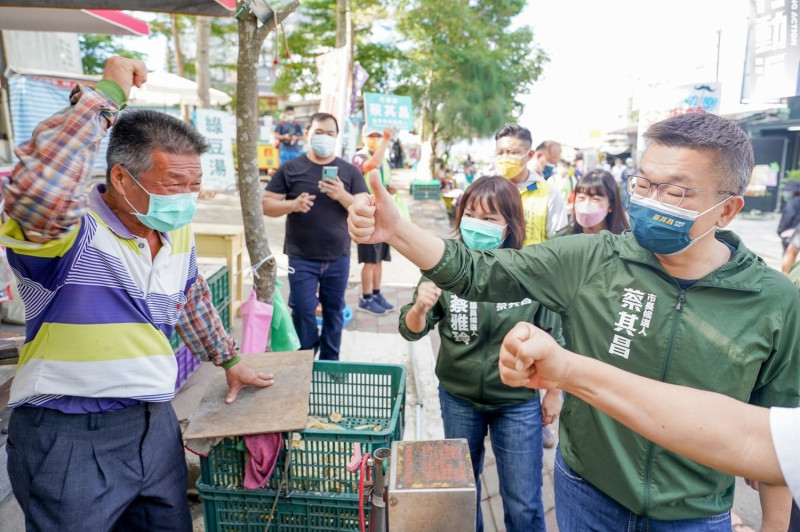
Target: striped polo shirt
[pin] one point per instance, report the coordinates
(99, 311)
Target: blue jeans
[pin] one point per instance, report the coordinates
(287, 155)
(316, 281)
(516, 433)
(582, 507)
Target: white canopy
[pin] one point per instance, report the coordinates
(170, 90)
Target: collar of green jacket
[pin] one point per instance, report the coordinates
(744, 271)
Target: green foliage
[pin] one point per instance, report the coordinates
(467, 66)
(95, 49)
(792, 175)
(315, 34)
(161, 26)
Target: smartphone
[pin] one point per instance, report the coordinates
(329, 173)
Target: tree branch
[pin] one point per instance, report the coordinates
(272, 24)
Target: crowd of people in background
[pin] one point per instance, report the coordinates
(526, 195)
(615, 282)
(666, 300)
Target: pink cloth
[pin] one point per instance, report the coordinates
(263, 450)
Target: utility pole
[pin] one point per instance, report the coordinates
(344, 39)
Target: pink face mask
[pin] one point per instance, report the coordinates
(588, 215)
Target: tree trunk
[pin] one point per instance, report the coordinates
(342, 6)
(434, 140)
(202, 70)
(176, 42)
(251, 37)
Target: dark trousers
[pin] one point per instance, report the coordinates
(120, 470)
(328, 280)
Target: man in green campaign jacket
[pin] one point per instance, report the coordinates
(674, 300)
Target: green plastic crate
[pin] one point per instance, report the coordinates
(243, 510)
(425, 190)
(175, 341)
(365, 394)
(225, 314)
(219, 284)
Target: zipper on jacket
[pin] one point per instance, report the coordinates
(651, 448)
(485, 356)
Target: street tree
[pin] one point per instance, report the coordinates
(251, 37)
(172, 26)
(95, 49)
(467, 64)
(315, 34)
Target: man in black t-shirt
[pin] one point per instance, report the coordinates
(317, 241)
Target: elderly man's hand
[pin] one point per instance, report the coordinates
(241, 375)
(373, 218)
(532, 358)
(125, 72)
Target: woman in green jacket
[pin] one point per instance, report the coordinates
(472, 397)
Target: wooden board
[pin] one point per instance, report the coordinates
(279, 408)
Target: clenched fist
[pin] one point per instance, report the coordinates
(125, 72)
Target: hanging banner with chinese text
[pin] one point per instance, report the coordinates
(387, 110)
(773, 53)
(218, 129)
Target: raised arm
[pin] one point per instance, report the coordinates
(375, 219)
(374, 162)
(709, 428)
(45, 193)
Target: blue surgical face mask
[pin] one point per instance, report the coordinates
(166, 213)
(548, 170)
(480, 234)
(664, 229)
(322, 145)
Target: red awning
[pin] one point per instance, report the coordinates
(210, 8)
(101, 21)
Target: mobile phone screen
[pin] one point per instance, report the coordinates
(330, 172)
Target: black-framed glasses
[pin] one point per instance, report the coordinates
(666, 193)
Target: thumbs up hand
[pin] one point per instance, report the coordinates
(373, 218)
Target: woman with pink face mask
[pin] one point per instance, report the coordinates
(598, 206)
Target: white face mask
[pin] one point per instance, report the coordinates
(323, 145)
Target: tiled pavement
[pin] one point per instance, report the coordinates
(491, 503)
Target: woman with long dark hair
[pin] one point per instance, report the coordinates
(598, 205)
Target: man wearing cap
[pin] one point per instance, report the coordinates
(373, 156)
(290, 134)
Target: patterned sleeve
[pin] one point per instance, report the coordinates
(45, 192)
(201, 328)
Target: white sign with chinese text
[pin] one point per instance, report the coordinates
(219, 130)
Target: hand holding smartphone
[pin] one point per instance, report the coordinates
(329, 173)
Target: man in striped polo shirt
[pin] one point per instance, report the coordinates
(106, 278)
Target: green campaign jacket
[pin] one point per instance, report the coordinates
(471, 335)
(736, 332)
